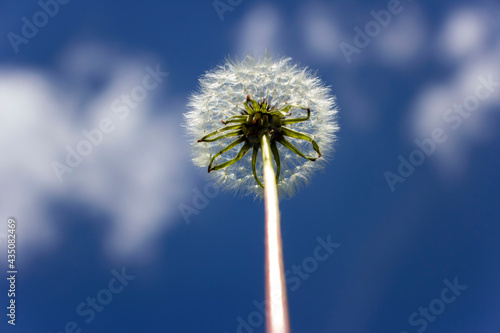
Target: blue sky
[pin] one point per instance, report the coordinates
(111, 227)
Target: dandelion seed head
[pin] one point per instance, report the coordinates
(222, 94)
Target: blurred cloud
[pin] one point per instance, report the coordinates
(464, 33)
(404, 40)
(320, 33)
(135, 175)
(260, 30)
(435, 98)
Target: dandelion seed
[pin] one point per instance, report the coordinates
(239, 102)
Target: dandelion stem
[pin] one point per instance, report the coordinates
(277, 319)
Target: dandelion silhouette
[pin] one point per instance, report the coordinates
(275, 107)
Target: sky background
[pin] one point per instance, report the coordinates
(120, 208)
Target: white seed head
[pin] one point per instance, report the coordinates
(222, 94)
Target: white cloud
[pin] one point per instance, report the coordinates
(404, 40)
(435, 98)
(260, 30)
(135, 175)
(320, 33)
(464, 33)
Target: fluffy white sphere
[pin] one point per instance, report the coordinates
(222, 94)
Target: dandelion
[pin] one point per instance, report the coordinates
(238, 102)
(262, 126)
